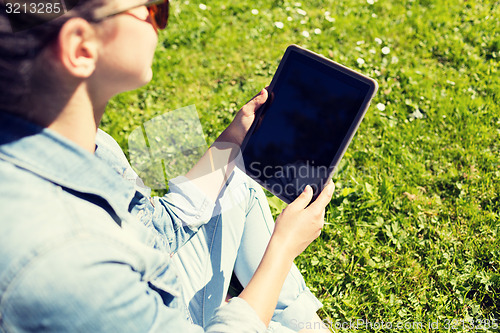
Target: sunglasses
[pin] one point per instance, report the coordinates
(158, 12)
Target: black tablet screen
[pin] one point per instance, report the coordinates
(302, 129)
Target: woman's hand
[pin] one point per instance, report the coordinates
(237, 130)
(214, 167)
(298, 225)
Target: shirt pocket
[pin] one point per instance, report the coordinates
(169, 294)
(163, 279)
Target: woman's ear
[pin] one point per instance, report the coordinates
(78, 47)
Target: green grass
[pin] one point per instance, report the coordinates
(414, 233)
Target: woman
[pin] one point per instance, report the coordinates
(83, 247)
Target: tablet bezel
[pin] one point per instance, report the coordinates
(372, 84)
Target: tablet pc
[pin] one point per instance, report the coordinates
(300, 134)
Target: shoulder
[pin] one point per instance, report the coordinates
(36, 214)
(88, 283)
(33, 214)
(24, 195)
(68, 265)
(31, 202)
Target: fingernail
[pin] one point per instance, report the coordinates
(308, 189)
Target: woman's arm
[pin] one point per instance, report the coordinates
(215, 166)
(296, 227)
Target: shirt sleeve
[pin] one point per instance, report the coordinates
(175, 216)
(86, 285)
(228, 318)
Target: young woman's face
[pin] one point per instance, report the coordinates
(127, 51)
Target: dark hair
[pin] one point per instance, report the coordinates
(19, 49)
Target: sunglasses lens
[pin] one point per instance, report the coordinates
(159, 13)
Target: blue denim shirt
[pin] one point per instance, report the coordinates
(83, 248)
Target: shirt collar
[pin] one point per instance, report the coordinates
(60, 161)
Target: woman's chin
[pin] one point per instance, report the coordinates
(148, 76)
(144, 79)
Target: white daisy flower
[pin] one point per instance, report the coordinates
(301, 12)
(381, 106)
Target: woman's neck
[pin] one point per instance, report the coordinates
(79, 119)
(73, 115)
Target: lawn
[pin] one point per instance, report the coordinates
(414, 233)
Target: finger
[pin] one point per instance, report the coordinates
(256, 101)
(324, 197)
(303, 199)
(261, 97)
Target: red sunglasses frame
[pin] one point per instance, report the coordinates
(158, 12)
